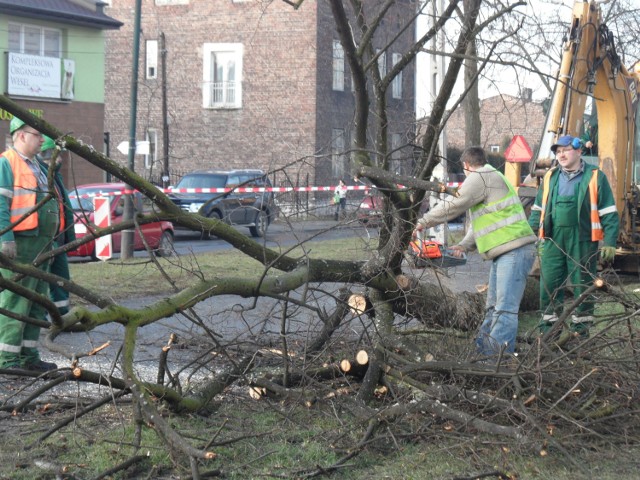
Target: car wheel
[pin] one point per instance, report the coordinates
(206, 235)
(261, 224)
(165, 247)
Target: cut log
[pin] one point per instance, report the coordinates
(353, 368)
(436, 304)
(357, 304)
(362, 357)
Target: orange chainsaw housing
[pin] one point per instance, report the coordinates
(426, 248)
(431, 253)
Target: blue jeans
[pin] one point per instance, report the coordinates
(507, 281)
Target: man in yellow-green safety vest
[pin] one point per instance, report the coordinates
(500, 233)
(574, 216)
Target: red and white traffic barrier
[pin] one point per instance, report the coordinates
(243, 190)
(102, 219)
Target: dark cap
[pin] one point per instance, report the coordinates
(566, 141)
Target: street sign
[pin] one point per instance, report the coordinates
(142, 147)
(102, 219)
(518, 150)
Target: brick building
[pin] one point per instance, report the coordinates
(502, 117)
(248, 84)
(54, 66)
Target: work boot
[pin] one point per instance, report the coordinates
(581, 325)
(40, 366)
(547, 322)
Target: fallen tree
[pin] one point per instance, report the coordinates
(417, 335)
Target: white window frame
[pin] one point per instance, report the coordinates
(338, 66)
(338, 166)
(151, 136)
(495, 148)
(225, 94)
(43, 50)
(396, 154)
(161, 3)
(396, 84)
(152, 59)
(382, 63)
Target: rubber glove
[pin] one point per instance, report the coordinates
(9, 249)
(607, 254)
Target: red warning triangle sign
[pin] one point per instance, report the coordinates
(518, 150)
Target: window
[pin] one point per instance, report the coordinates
(222, 75)
(34, 40)
(152, 59)
(337, 153)
(150, 159)
(396, 85)
(382, 63)
(338, 66)
(495, 148)
(396, 154)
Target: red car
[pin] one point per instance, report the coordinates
(370, 210)
(158, 235)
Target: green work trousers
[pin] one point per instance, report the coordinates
(19, 340)
(59, 296)
(566, 262)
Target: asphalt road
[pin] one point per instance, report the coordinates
(280, 232)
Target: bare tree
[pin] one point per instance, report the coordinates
(426, 369)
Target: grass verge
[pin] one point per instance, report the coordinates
(140, 277)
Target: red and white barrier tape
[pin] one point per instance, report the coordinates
(239, 190)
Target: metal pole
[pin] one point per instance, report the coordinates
(165, 121)
(126, 250)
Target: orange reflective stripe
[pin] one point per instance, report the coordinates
(545, 198)
(596, 227)
(25, 186)
(24, 192)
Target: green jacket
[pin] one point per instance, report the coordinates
(69, 220)
(610, 221)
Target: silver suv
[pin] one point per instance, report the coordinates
(255, 210)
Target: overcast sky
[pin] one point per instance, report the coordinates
(501, 81)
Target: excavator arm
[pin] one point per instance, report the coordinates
(591, 68)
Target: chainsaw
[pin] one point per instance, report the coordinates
(427, 252)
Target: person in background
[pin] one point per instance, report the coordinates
(23, 184)
(573, 212)
(60, 265)
(341, 200)
(590, 137)
(500, 232)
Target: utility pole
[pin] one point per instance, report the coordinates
(126, 250)
(165, 121)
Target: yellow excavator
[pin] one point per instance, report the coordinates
(591, 72)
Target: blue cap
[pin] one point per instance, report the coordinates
(565, 141)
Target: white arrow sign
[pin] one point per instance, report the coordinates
(142, 147)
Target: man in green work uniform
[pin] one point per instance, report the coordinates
(60, 265)
(28, 233)
(573, 212)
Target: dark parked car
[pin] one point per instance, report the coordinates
(240, 206)
(158, 235)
